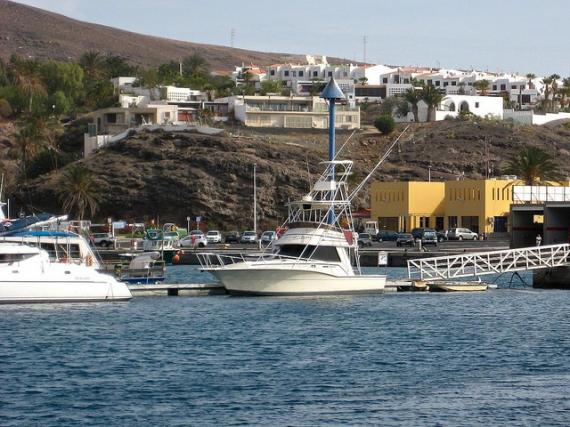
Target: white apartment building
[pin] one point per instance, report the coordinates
(289, 112)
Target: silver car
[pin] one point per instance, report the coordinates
(462, 234)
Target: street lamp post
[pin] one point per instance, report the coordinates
(188, 224)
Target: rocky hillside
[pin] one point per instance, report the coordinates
(173, 175)
(29, 31)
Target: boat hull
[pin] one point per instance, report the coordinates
(17, 292)
(288, 282)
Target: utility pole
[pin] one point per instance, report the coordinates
(232, 37)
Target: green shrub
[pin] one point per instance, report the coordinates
(385, 124)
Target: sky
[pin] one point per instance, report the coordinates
(496, 35)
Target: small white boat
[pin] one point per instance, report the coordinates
(144, 269)
(28, 276)
(457, 286)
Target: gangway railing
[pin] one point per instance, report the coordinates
(493, 262)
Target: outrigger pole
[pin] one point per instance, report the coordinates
(375, 168)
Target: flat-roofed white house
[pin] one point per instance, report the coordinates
(481, 106)
(289, 112)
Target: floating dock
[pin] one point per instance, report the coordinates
(206, 289)
(177, 289)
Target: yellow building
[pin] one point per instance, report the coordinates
(402, 206)
(480, 205)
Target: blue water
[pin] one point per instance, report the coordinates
(495, 358)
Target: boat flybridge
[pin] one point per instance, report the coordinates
(314, 256)
(27, 275)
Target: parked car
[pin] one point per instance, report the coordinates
(214, 236)
(461, 234)
(405, 239)
(232, 237)
(248, 237)
(195, 239)
(364, 239)
(428, 236)
(387, 236)
(103, 239)
(268, 237)
(441, 236)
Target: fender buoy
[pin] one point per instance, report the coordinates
(88, 260)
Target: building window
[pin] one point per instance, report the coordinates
(385, 80)
(476, 105)
(503, 87)
(437, 83)
(452, 221)
(453, 83)
(294, 74)
(445, 84)
(315, 74)
(301, 73)
(424, 221)
(494, 87)
(513, 86)
(329, 73)
(286, 73)
(345, 74)
(272, 72)
(406, 81)
(430, 82)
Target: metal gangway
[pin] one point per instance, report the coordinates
(493, 262)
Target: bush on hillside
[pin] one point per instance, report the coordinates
(385, 124)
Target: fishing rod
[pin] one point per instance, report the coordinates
(382, 159)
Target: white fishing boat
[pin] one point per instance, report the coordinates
(27, 275)
(315, 255)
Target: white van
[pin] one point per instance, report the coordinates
(371, 227)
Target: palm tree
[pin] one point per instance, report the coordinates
(413, 96)
(29, 80)
(27, 145)
(533, 165)
(77, 191)
(150, 79)
(195, 65)
(530, 77)
(481, 86)
(432, 97)
(92, 64)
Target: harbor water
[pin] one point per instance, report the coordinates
(495, 358)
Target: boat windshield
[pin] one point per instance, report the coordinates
(11, 258)
(320, 253)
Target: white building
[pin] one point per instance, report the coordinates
(289, 112)
(490, 107)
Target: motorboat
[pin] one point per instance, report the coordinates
(27, 275)
(145, 268)
(318, 252)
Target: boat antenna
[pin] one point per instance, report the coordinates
(308, 172)
(344, 145)
(375, 168)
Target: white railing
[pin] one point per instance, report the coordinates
(494, 262)
(540, 194)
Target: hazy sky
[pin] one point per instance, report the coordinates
(499, 35)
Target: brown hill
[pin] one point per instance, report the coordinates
(27, 30)
(178, 174)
